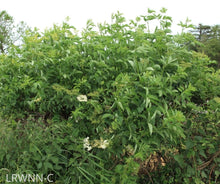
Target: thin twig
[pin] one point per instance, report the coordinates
(207, 163)
(211, 172)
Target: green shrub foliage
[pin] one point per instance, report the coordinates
(97, 106)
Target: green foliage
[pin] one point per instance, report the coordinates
(94, 107)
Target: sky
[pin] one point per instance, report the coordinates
(44, 13)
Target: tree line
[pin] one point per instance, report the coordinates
(209, 39)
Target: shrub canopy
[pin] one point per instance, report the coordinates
(132, 92)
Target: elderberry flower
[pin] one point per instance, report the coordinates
(103, 144)
(86, 144)
(82, 98)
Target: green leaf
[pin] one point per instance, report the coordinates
(189, 144)
(180, 160)
(150, 128)
(163, 10)
(151, 11)
(39, 165)
(107, 116)
(48, 165)
(84, 172)
(120, 105)
(149, 69)
(118, 168)
(147, 102)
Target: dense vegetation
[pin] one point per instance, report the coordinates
(114, 104)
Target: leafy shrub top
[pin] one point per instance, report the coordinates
(123, 83)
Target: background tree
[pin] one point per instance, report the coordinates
(209, 36)
(10, 33)
(201, 32)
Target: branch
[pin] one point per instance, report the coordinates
(207, 163)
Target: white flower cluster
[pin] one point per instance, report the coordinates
(82, 98)
(86, 144)
(103, 144)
